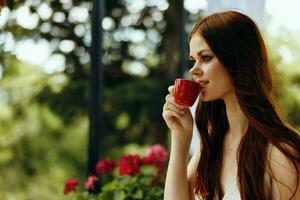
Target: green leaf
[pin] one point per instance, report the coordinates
(110, 185)
(106, 195)
(138, 194)
(129, 181)
(119, 195)
(148, 169)
(85, 196)
(112, 195)
(146, 180)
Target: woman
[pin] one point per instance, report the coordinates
(246, 149)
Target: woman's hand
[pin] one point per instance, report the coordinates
(178, 118)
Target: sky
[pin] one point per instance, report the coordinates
(284, 12)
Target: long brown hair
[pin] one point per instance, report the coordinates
(238, 44)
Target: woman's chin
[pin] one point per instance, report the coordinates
(205, 100)
(203, 97)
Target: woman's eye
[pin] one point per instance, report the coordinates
(206, 58)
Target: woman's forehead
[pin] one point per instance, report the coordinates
(197, 44)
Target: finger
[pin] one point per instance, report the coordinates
(168, 114)
(169, 106)
(171, 89)
(171, 99)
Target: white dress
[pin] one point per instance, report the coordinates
(233, 193)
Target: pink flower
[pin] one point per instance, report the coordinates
(70, 185)
(156, 153)
(129, 165)
(105, 166)
(90, 183)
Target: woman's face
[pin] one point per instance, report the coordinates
(207, 67)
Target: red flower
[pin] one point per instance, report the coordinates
(149, 160)
(90, 183)
(156, 154)
(129, 165)
(70, 185)
(105, 166)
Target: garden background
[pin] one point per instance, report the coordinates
(44, 84)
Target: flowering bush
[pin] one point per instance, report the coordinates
(133, 177)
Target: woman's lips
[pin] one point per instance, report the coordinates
(203, 82)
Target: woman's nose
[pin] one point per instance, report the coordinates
(196, 70)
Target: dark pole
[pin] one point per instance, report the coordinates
(10, 4)
(96, 85)
(183, 39)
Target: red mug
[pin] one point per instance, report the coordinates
(186, 92)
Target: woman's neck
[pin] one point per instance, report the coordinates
(237, 120)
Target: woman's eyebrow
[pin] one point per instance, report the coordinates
(199, 53)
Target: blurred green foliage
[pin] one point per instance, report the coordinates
(284, 48)
(43, 115)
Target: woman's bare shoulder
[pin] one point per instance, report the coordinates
(284, 175)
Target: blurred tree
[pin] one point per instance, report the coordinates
(284, 49)
(44, 105)
(141, 42)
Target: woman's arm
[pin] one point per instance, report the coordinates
(180, 122)
(180, 175)
(284, 182)
(192, 170)
(176, 186)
